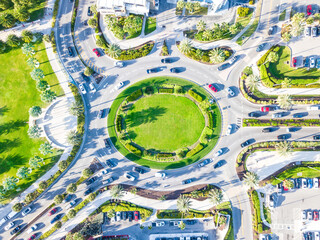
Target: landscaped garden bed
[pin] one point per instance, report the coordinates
(250, 122)
(151, 25)
(164, 107)
(171, 214)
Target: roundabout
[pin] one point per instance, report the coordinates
(164, 122)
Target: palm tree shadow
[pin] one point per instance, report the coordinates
(3, 110)
(11, 126)
(144, 116)
(7, 144)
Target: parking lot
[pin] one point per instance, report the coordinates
(202, 228)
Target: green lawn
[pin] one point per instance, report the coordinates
(157, 81)
(282, 15)
(18, 94)
(176, 121)
(201, 11)
(245, 20)
(151, 25)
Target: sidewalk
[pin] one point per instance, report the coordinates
(261, 210)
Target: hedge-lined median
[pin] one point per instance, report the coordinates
(250, 122)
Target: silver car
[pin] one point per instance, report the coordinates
(230, 92)
(312, 62)
(229, 130)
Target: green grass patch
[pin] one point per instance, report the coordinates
(267, 214)
(151, 25)
(199, 12)
(282, 15)
(15, 145)
(176, 121)
(155, 82)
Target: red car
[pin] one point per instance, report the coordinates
(294, 62)
(285, 189)
(32, 237)
(53, 211)
(265, 109)
(213, 88)
(136, 215)
(315, 215)
(309, 10)
(96, 52)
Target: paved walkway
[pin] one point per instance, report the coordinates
(261, 210)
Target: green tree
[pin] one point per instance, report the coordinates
(35, 161)
(46, 148)
(207, 34)
(78, 236)
(37, 74)
(284, 101)
(48, 96)
(180, 4)
(22, 14)
(195, 194)
(9, 183)
(297, 23)
(283, 148)
(46, 38)
(288, 184)
(92, 22)
(42, 85)
(94, 9)
(286, 37)
(182, 225)
(114, 50)
(201, 26)
(117, 192)
(43, 185)
(3, 46)
(72, 188)
(273, 57)
(87, 172)
(134, 191)
(13, 41)
(58, 225)
(217, 55)
(34, 131)
(111, 213)
(27, 36)
(190, 7)
(76, 108)
(286, 83)
(23, 172)
(216, 196)
(7, 20)
(100, 43)
(309, 20)
(2, 191)
(33, 62)
(17, 207)
(5, 4)
(58, 199)
(28, 49)
(35, 111)
(198, 53)
(63, 165)
(72, 213)
(88, 71)
(74, 138)
(251, 179)
(92, 196)
(183, 204)
(252, 82)
(185, 46)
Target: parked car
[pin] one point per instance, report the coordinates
(110, 164)
(318, 63)
(32, 237)
(231, 92)
(92, 88)
(100, 113)
(309, 10)
(294, 62)
(108, 146)
(88, 191)
(246, 143)
(139, 170)
(89, 11)
(316, 183)
(219, 164)
(266, 130)
(312, 62)
(107, 181)
(91, 180)
(136, 215)
(315, 215)
(316, 235)
(187, 181)
(223, 66)
(283, 136)
(254, 114)
(56, 218)
(160, 175)
(204, 162)
(314, 31)
(297, 115)
(96, 52)
(271, 200)
(233, 60)
(72, 204)
(15, 230)
(119, 64)
(130, 216)
(304, 183)
(118, 216)
(52, 211)
(278, 115)
(130, 176)
(26, 211)
(120, 85)
(229, 129)
(292, 129)
(304, 214)
(265, 109)
(160, 224)
(219, 153)
(211, 86)
(175, 70)
(307, 31)
(68, 198)
(10, 225)
(32, 229)
(298, 183)
(306, 62)
(82, 89)
(310, 216)
(191, 222)
(261, 47)
(152, 70)
(316, 137)
(167, 60)
(70, 51)
(103, 172)
(271, 30)
(310, 182)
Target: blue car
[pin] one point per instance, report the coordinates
(310, 183)
(307, 62)
(318, 63)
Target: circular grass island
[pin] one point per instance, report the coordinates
(164, 123)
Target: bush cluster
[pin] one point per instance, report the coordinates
(135, 95)
(142, 51)
(243, 11)
(210, 120)
(195, 95)
(133, 149)
(263, 59)
(257, 222)
(165, 90)
(164, 50)
(119, 123)
(171, 214)
(149, 90)
(248, 122)
(195, 150)
(165, 155)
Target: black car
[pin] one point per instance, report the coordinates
(91, 180)
(167, 60)
(56, 218)
(265, 130)
(191, 222)
(246, 143)
(106, 143)
(110, 163)
(254, 114)
(223, 66)
(187, 181)
(152, 70)
(297, 183)
(139, 170)
(283, 136)
(219, 164)
(100, 114)
(70, 51)
(316, 137)
(306, 62)
(68, 198)
(174, 70)
(130, 216)
(88, 191)
(271, 30)
(89, 11)
(261, 47)
(298, 115)
(124, 215)
(15, 230)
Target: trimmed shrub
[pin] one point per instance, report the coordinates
(164, 155)
(195, 95)
(119, 123)
(243, 11)
(195, 150)
(135, 95)
(149, 90)
(210, 119)
(165, 90)
(133, 149)
(262, 60)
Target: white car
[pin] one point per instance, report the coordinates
(10, 225)
(120, 85)
(316, 236)
(92, 88)
(72, 204)
(27, 211)
(119, 64)
(316, 183)
(304, 183)
(160, 175)
(219, 153)
(229, 130)
(312, 62)
(103, 172)
(118, 216)
(310, 215)
(130, 176)
(32, 229)
(304, 215)
(82, 89)
(160, 224)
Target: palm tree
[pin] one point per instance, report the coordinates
(114, 50)
(46, 148)
(185, 46)
(286, 83)
(35, 111)
(3, 46)
(273, 57)
(34, 131)
(74, 138)
(13, 40)
(190, 7)
(207, 34)
(217, 55)
(183, 204)
(288, 184)
(48, 96)
(201, 26)
(42, 85)
(76, 109)
(180, 4)
(297, 23)
(117, 192)
(22, 14)
(23, 172)
(33, 62)
(35, 161)
(28, 49)
(252, 82)
(9, 183)
(27, 36)
(283, 148)
(284, 101)
(7, 20)
(251, 179)
(198, 53)
(37, 74)
(216, 196)
(286, 37)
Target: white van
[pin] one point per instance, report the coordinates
(313, 108)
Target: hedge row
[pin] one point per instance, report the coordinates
(263, 59)
(172, 214)
(281, 122)
(195, 95)
(195, 150)
(257, 222)
(135, 95)
(133, 149)
(210, 119)
(165, 90)
(165, 155)
(266, 77)
(119, 123)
